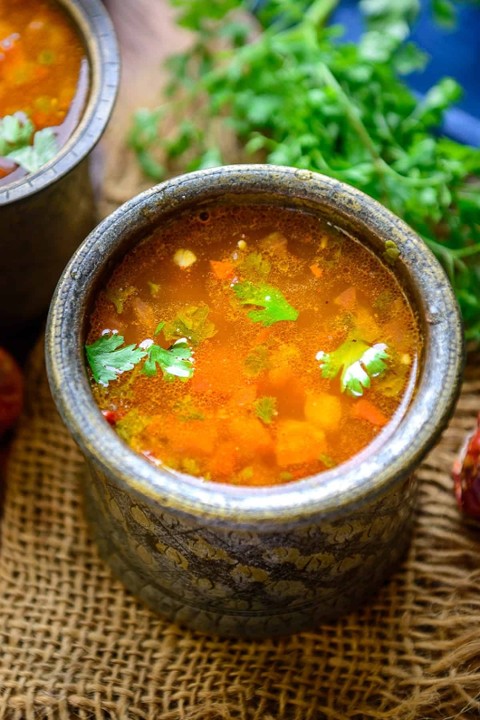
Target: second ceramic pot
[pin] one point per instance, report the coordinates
(46, 215)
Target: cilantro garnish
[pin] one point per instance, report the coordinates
(15, 132)
(108, 360)
(257, 360)
(293, 93)
(192, 323)
(266, 409)
(16, 136)
(254, 267)
(358, 363)
(177, 361)
(275, 307)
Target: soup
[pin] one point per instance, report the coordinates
(43, 84)
(253, 345)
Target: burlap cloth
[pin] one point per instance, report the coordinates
(75, 644)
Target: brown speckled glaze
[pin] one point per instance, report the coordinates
(254, 561)
(46, 215)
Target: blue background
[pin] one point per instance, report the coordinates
(453, 52)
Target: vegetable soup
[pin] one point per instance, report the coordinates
(253, 345)
(43, 84)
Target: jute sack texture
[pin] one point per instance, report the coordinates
(75, 644)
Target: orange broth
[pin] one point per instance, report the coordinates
(43, 70)
(258, 408)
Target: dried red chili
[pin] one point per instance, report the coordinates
(466, 475)
(11, 391)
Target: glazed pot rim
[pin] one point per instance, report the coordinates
(331, 492)
(95, 28)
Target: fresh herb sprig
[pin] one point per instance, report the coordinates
(292, 94)
(22, 145)
(109, 357)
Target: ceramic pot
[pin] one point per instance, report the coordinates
(254, 561)
(44, 216)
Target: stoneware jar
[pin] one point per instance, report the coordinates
(254, 561)
(45, 215)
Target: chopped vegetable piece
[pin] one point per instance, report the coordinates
(254, 267)
(108, 359)
(119, 297)
(275, 307)
(365, 410)
(186, 410)
(298, 443)
(251, 436)
(154, 288)
(184, 259)
(358, 363)
(466, 475)
(11, 391)
(266, 409)
(222, 269)
(316, 270)
(177, 361)
(225, 460)
(192, 323)
(257, 361)
(323, 410)
(132, 424)
(347, 299)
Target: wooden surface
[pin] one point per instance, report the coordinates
(147, 35)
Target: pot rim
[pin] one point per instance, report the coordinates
(331, 492)
(95, 28)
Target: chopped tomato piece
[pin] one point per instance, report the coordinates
(366, 410)
(11, 391)
(222, 269)
(298, 442)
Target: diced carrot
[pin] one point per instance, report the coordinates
(189, 438)
(347, 299)
(225, 460)
(366, 324)
(366, 410)
(222, 269)
(298, 442)
(250, 436)
(280, 376)
(316, 270)
(323, 410)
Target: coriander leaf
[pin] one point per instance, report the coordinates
(15, 132)
(192, 323)
(254, 267)
(186, 410)
(108, 360)
(33, 157)
(358, 362)
(275, 307)
(266, 409)
(119, 296)
(257, 361)
(133, 423)
(177, 361)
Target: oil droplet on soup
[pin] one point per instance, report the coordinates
(253, 345)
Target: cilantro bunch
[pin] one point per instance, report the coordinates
(292, 93)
